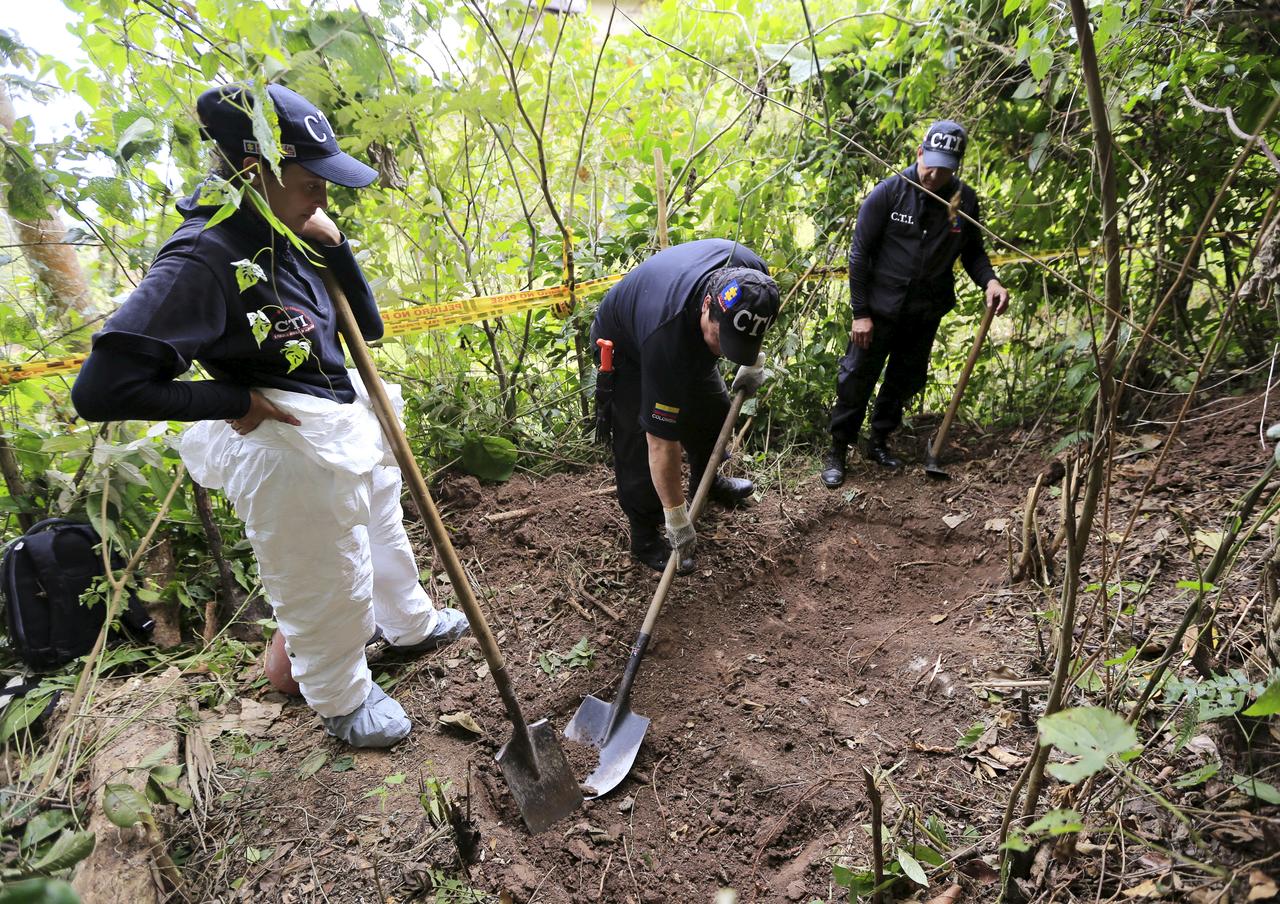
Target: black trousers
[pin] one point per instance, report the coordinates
(707, 406)
(905, 344)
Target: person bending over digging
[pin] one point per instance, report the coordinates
(905, 244)
(284, 429)
(669, 320)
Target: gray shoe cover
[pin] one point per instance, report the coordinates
(450, 625)
(377, 722)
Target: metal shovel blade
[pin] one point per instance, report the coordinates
(539, 777)
(618, 748)
(934, 470)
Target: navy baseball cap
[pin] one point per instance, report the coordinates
(745, 302)
(305, 134)
(944, 144)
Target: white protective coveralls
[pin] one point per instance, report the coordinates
(321, 507)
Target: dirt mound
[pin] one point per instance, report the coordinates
(825, 631)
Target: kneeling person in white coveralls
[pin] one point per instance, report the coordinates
(284, 429)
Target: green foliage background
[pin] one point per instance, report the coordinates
(516, 150)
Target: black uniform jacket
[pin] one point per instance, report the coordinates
(905, 246)
(240, 300)
(653, 319)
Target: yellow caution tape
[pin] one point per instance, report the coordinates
(44, 367)
(443, 315)
(400, 322)
(446, 314)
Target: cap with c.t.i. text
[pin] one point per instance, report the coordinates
(305, 134)
(944, 144)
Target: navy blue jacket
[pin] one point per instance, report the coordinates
(190, 307)
(653, 319)
(905, 248)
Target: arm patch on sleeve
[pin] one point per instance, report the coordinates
(666, 414)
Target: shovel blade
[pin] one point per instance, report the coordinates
(539, 777)
(618, 748)
(933, 470)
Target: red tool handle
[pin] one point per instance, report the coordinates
(606, 355)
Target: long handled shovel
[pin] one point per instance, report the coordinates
(532, 762)
(931, 466)
(614, 729)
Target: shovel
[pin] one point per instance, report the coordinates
(532, 762)
(931, 466)
(614, 729)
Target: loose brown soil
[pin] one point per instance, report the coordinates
(827, 632)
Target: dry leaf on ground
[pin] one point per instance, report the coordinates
(463, 721)
(254, 718)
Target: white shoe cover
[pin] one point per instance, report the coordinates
(450, 625)
(377, 722)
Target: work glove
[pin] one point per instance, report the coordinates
(681, 535)
(750, 379)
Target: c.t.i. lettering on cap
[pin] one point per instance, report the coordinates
(312, 123)
(746, 322)
(729, 295)
(944, 142)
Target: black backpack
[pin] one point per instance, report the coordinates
(42, 575)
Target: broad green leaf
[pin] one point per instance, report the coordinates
(911, 868)
(1197, 776)
(1091, 734)
(125, 806)
(248, 275)
(66, 852)
(38, 891)
(259, 325)
(1263, 791)
(1057, 822)
(970, 737)
(296, 352)
(343, 763)
(221, 214)
(491, 458)
(1040, 61)
(21, 713)
(313, 763)
(1016, 842)
(1268, 703)
(156, 757)
(43, 825)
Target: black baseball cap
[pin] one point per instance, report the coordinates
(305, 134)
(745, 302)
(944, 144)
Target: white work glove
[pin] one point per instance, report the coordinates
(680, 533)
(749, 379)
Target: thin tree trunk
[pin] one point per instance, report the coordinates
(53, 262)
(1106, 352)
(226, 581)
(13, 474)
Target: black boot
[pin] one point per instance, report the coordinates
(648, 547)
(833, 465)
(731, 491)
(879, 452)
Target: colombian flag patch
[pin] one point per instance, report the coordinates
(665, 413)
(729, 295)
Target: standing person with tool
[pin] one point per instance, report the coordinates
(667, 323)
(901, 284)
(284, 429)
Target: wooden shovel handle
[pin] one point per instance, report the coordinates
(391, 428)
(940, 439)
(695, 509)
